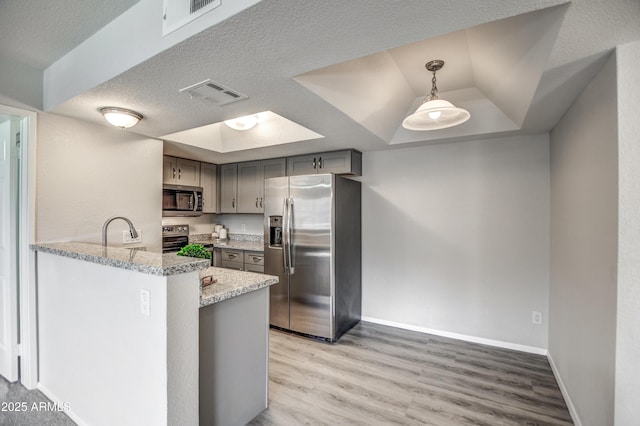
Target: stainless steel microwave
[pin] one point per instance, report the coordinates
(178, 200)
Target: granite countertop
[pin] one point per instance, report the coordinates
(231, 283)
(239, 242)
(133, 259)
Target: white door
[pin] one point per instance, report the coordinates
(8, 259)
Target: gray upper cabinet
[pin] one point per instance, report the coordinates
(249, 187)
(274, 167)
(169, 169)
(251, 176)
(209, 183)
(302, 165)
(338, 162)
(180, 171)
(229, 188)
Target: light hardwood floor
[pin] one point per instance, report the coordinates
(378, 375)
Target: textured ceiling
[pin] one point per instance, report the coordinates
(260, 51)
(37, 33)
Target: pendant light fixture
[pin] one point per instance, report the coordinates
(120, 117)
(435, 113)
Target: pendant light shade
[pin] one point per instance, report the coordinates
(120, 117)
(435, 113)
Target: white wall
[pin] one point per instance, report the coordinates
(455, 238)
(584, 200)
(627, 389)
(97, 352)
(87, 173)
(20, 85)
(112, 364)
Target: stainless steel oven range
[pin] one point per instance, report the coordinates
(174, 237)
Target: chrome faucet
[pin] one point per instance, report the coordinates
(132, 229)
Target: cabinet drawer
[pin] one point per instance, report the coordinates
(232, 255)
(253, 258)
(231, 265)
(254, 268)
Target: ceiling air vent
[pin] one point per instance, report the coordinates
(177, 13)
(196, 5)
(213, 92)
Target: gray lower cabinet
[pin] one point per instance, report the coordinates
(251, 261)
(234, 354)
(338, 162)
(254, 261)
(233, 259)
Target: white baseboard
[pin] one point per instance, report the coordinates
(60, 403)
(465, 337)
(565, 393)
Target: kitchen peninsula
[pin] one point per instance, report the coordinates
(131, 337)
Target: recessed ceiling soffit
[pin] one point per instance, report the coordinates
(272, 129)
(492, 70)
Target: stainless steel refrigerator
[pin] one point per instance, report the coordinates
(312, 238)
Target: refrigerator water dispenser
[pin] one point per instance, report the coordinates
(275, 231)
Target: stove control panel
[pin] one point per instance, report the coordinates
(175, 230)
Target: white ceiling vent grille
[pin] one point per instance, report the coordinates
(177, 13)
(213, 92)
(196, 5)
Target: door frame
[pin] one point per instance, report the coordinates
(28, 333)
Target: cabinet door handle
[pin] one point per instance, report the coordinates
(174, 172)
(179, 174)
(260, 202)
(320, 163)
(256, 202)
(232, 256)
(233, 203)
(314, 163)
(256, 259)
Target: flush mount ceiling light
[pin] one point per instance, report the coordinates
(243, 123)
(435, 113)
(120, 117)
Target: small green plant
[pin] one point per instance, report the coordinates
(195, 250)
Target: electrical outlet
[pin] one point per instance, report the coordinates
(145, 301)
(536, 317)
(244, 227)
(126, 237)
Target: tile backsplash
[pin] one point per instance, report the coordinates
(242, 223)
(251, 224)
(197, 225)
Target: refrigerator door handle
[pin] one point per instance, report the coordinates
(289, 244)
(285, 206)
